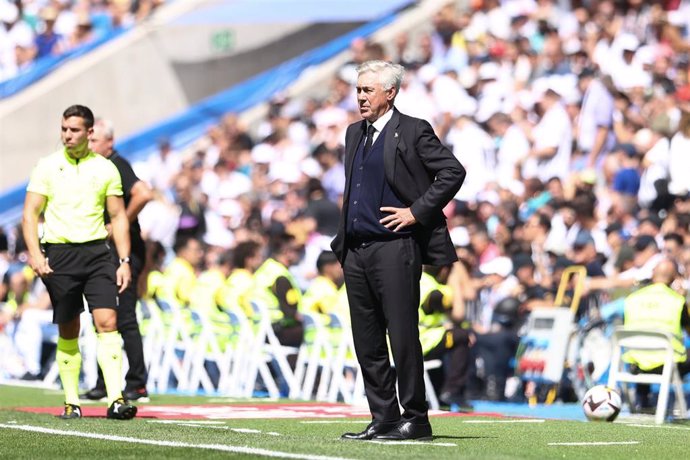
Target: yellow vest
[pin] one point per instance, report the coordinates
(12, 304)
(265, 279)
(179, 279)
(239, 291)
(655, 307)
(321, 297)
(208, 292)
(431, 328)
(342, 306)
(206, 299)
(154, 284)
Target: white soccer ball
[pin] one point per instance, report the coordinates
(601, 403)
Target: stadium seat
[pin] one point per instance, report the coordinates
(314, 347)
(344, 365)
(176, 358)
(267, 348)
(237, 382)
(648, 340)
(209, 347)
(153, 338)
(428, 385)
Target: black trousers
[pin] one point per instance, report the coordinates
(454, 350)
(128, 326)
(642, 389)
(382, 280)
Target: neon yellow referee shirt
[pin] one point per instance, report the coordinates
(75, 192)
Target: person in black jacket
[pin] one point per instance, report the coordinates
(136, 195)
(399, 177)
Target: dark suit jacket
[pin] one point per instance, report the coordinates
(423, 173)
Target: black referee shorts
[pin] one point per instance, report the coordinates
(80, 270)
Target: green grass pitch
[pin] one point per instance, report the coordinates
(43, 436)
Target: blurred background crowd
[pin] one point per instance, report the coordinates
(34, 29)
(572, 119)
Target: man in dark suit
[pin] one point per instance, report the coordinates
(398, 179)
(136, 194)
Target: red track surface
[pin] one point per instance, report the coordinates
(242, 411)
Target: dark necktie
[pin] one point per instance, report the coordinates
(370, 138)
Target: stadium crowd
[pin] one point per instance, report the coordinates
(33, 29)
(572, 119)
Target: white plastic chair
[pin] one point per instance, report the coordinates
(153, 338)
(244, 356)
(648, 340)
(177, 353)
(428, 385)
(355, 393)
(345, 366)
(208, 348)
(267, 348)
(315, 357)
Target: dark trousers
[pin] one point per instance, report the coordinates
(496, 349)
(455, 352)
(642, 389)
(128, 326)
(382, 280)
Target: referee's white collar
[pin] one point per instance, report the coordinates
(382, 121)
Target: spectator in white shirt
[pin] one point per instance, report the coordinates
(333, 177)
(552, 140)
(679, 153)
(595, 124)
(162, 167)
(647, 256)
(654, 147)
(512, 145)
(474, 148)
(627, 72)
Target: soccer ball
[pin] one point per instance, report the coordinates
(601, 403)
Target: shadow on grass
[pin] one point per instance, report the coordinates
(441, 437)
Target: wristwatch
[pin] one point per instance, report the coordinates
(124, 260)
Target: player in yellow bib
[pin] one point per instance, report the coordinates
(73, 188)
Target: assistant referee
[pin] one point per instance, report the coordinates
(73, 188)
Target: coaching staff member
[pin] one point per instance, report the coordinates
(136, 194)
(398, 179)
(73, 188)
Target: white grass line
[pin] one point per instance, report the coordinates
(526, 420)
(595, 443)
(245, 430)
(31, 384)
(641, 425)
(214, 427)
(153, 442)
(413, 443)
(187, 422)
(332, 421)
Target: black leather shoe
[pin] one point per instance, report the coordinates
(95, 394)
(407, 431)
(374, 428)
(455, 403)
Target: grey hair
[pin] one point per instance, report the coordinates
(389, 74)
(106, 126)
